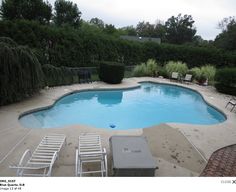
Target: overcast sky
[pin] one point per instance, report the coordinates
(206, 14)
(120, 13)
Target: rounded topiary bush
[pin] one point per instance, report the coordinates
(20, 72)
(226, 80)
(111, 72)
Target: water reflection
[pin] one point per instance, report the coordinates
(170, 91)
(110, 98)
(85, 96)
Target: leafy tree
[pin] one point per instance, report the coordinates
(97, 22)
(160, 30)
(109, 29)
(223, 25)
(66, 12)
(145, 29)
(26, 9)
(227, 39)
(129, 30)
(180, 29)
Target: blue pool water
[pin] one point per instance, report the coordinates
(151, 104)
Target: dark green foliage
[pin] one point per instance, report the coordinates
(8, 41)
(227, 39)
(111, 72)
(20, 72)
(97, 22)
(88, 45)
(129, 30)
(26, 9)
(55, 76)
(226, 80)
(146, 29)
(66, 12)
(109, 29)
(180, 29)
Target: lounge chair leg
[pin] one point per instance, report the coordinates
(227, 105)
(232, 108)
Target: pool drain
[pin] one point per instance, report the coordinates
(112, 126)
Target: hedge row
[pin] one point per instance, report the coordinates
(226, 81)
(77, 48)
(55, 76)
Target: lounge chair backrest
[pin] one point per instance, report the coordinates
(40, 162)
(174, 75)
(232, 102)
(188, 77)
(90, 151)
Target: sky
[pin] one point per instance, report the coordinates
(121, 13)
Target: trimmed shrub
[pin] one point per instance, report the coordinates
(178, 66)
(20, 72)
(226, 80)
(111, 72)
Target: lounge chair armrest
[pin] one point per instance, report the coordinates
(23, 161)
(76, 161)
(52, 163)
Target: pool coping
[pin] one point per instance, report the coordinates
(204, 144)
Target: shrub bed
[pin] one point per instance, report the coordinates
(150, 68)
(203, 74)
(178, 66)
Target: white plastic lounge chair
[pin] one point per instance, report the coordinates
(231, 102)
(40, 162)
(187, 78)
(175, 75)
(90, 153)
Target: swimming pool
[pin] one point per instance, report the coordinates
(148, 105)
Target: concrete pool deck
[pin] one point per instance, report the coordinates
(179, 149)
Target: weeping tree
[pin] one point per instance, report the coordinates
(20, 72)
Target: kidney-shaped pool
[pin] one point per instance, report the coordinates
(150, 104)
